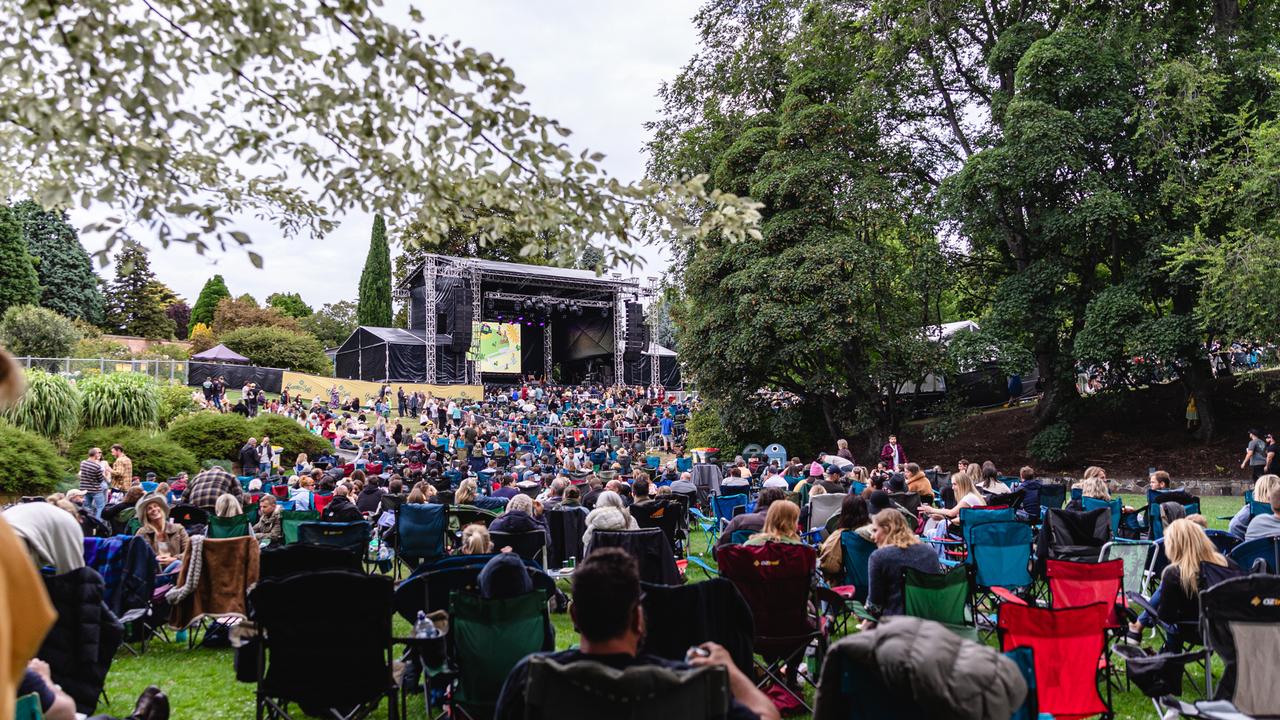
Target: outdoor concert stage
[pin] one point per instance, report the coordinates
(484, 321)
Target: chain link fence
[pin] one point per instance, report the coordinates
(162, 370)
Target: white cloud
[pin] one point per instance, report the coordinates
(595, 67)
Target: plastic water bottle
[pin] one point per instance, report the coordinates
(424, 628)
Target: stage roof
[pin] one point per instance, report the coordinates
(500, 270)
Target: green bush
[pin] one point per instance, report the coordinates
(290, 436)
(1052, 444)
(280, 348)
(99, 347)
(211, 435)
(130, 399)
(36, 332)
(31, 463)
(150, 452)
(706, 430)
(175, 401)
(50, 407)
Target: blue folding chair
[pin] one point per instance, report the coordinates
(1256, 507)
(722, 507)
(420, 533)
(653, 462)
(708, 526)
(856, 560)
(973, 517)
(1155, 498)
(1000, 555)
(148, 486)
(1266, 549)
(1115, 505)
(684, 464)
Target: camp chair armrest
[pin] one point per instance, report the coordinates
(860, 610)
(699, 562)
(1142, 602)
(1007, 595)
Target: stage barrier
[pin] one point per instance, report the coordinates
(311, 386)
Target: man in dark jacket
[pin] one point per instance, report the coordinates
(341, 509)
(249, 457)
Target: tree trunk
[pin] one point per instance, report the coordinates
(827, 416)
(1199, 381)
(1057, 390)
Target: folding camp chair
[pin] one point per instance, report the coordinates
(1137, 556)
(663, 514)
(1024, 658)
(709, 527)
(681, 616)
(941, 597)
(722, 507)
(281, 562)
(489, 638)
(290, 649)
(1156, 498)
(228, 568)
(1052, 495)
(189, 517)
(27, 708)
(1240, 620)
(1263, 553)
(776, 580)
(908, 501)
(1000, 555)
(588, 689)
(291, 519)
(1114, 506)
(649, 547)
(567, 526)
(530, 545)
(822, 508)
(431, 586)
(973, 517)
(350, 536)
(420, 534)
(460, 516)
(128, 569)
(1072, 535)
(1068, 645)
(228, 527)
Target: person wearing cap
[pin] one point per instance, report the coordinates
(833, 482)
(168, 540)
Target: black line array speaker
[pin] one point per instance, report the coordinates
(460, 331)
(637, 331)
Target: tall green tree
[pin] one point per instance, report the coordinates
(19, 283)
(333, 323)
(134, 304)
(290, 304)
(215, 288)
(374, 307)
(829, 301)
(69, 286)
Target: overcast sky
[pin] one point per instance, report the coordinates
(594, 66)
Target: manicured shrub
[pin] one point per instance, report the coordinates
(36, 332)
(50, 407)
(290, 436)
(131, 399)
(150, 452)
(279, 347)
(175, 401)
(211, 435)
(31, 463)
(1052, 444)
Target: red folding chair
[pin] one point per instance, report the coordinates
(776, 580)
(280, 491)
(1068, 645)
(1076, 584)
(321, 501)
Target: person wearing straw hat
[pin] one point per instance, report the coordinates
(168, 540)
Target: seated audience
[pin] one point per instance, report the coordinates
(1266, 525)
(897, 548)
(340, 508)
(752, 521)
(1194, 564)
(781, 525)
(269, 529)
(168, 540)
(610, 513)
(1263, 488)
(853, 518)
(607, 612)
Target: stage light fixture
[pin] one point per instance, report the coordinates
(577, 310)
(562, 307)
(520, 319)
(542, 323)
(499, 316)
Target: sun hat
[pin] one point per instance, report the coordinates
(140, 509)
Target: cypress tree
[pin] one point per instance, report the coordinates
(215, 288)
(68, 284)
(374, 307)
(19, 283)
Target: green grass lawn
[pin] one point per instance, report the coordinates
(201, 682)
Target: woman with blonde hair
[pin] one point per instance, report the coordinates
(466, 493)
(227, 506)
(781, 525)
(475, 540)
(1263, 488)
(1194, 565)
(967, 496)
(897, 548)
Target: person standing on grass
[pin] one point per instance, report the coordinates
(121, 469)
(249, 457)
(1255, 454)
(93, 482)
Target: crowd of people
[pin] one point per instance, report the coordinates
(524, 451)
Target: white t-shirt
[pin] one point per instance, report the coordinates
(973, 499)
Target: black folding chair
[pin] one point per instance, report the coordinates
(280, 562)
(567, 526)
(298, 635)
(530, 545)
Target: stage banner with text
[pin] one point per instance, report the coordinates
(312, 386)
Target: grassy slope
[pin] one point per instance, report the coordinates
(201, 683)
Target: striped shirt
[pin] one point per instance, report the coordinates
(91, 476)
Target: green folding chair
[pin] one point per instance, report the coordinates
(228, 527)
(291, 519)
(941, 597)
(490, 637)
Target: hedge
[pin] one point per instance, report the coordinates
(31, 463)
(211, 435)
(290, 436)
(149, 452)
